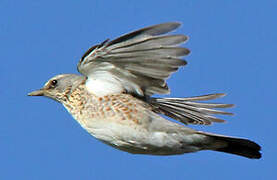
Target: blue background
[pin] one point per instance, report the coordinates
(233, 46)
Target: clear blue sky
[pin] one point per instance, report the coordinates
(233, 46)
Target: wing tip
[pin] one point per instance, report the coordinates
(163, 28)
(172, 23)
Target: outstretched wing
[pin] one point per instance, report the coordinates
(138, 62)
(189, 110)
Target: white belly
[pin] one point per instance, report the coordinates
(143, 141)
(152, 135)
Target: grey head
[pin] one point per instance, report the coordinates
(59, 86)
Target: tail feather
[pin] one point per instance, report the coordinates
(187, 111)
(238, 146)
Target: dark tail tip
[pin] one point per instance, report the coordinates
(241, 147)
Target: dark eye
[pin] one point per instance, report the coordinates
(54, 83)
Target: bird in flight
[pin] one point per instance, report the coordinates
(112, 99)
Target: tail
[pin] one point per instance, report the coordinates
(237, 146)
(188, 111)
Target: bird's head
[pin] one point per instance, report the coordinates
(59, 86)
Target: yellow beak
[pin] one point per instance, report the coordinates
(39, 92)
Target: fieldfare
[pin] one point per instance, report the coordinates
(112, 100)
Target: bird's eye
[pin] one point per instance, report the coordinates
(54, 83)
